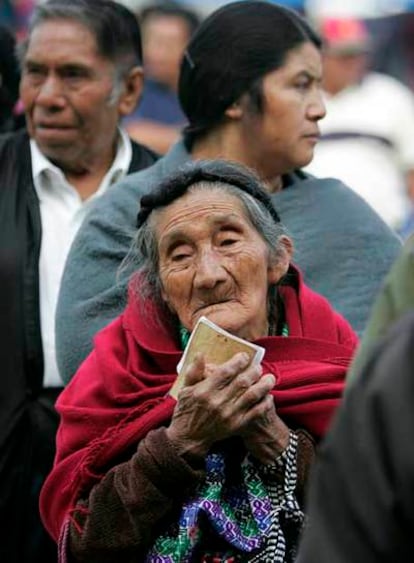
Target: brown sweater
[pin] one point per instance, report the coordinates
(130, 507)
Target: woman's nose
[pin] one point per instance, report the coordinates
(209, 270)
(317, 108)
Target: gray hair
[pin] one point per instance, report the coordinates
(114, 27)
(144, 250)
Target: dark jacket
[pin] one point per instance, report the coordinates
(361, 497)
(27, 417)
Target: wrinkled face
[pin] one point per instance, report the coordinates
(65, 88)
(286, 132)
(213, 262)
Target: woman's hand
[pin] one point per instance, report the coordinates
(267, 436)
(217, 402)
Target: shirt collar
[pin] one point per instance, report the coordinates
(122, 159)
(119, 167)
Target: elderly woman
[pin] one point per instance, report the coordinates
(218, 474)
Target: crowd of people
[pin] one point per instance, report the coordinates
(366, 137)
(246, 167)
(158, 119)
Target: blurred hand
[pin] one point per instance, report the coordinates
(217, 402)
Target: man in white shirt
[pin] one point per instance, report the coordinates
(367, 136)
(81, 73)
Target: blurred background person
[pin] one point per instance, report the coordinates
(166, 30)
(360, 504)
(368, 133)
(407, 228)
(16, 14)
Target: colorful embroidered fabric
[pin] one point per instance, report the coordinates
(282, 539)
(238, 505)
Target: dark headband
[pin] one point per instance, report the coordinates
(212, 171)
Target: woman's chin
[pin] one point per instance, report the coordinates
(219, 314)
(225, 320)
(230, 316)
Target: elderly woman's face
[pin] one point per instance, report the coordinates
(213, 262)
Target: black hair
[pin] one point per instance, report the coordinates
(218, 171)
(114, 26)
(231, 50)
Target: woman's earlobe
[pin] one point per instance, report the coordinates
(280, 267)
(287, 243)
(235, 111)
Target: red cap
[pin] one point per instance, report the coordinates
(345, 35)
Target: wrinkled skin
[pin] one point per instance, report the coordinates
(233, 399)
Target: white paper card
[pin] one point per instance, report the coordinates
(217, 345)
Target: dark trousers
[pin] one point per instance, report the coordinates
(25, 461)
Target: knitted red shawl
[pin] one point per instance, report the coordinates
(119, 392)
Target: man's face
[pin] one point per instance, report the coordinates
(341, 70)
(66, 88)
(164, 39)
(213, 262)
(283, 137)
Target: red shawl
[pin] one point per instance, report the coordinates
(119, 392)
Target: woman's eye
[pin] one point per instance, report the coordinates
(228, 242)
(179, 256)
(303, 84)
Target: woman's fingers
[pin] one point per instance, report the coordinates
(218, 376)
(221, 376)
(216, 401)
(257, 391)
(195, 371)
(231, 388)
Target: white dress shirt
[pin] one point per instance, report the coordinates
(62, 212)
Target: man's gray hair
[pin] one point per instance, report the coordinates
(114, 27)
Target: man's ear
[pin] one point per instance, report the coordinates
(133, 84)
(280, 264)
